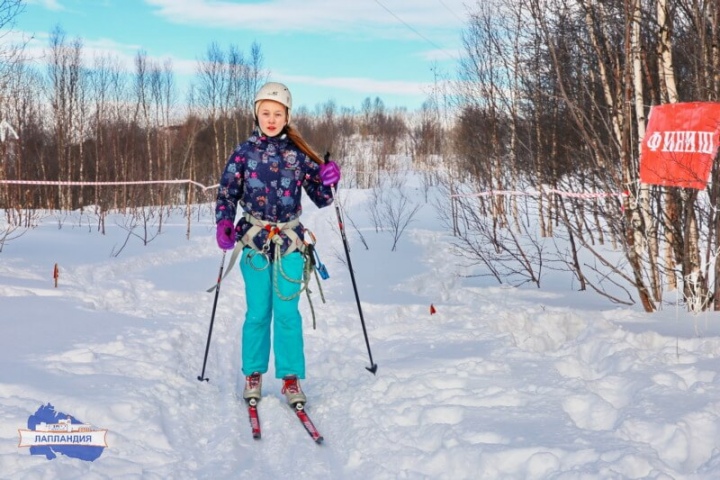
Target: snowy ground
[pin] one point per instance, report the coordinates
(501, 383)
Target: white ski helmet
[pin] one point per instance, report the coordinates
(277, 92)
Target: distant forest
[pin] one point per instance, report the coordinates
(550, 96)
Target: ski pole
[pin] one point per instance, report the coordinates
(373, 367)
(202, 377)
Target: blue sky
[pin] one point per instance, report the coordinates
(340, 50)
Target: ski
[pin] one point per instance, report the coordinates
(254, 418)
(307, 423)
(300, 412)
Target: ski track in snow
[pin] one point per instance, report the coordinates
(496, 385)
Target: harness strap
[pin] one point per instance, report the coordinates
(274, 229)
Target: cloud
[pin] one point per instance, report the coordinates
(314, 15)
(348, 88)
(361, 85)
(441, 54)
(49, 4)
(36, 45)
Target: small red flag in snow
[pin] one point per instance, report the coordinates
(432, 309)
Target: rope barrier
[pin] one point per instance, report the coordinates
(543, 192)
(61, 183)
(204, 187)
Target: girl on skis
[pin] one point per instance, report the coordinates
(265, 176)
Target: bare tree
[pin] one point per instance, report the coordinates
(66, 77)
(392, 208)
(211, 91)
(10, 54)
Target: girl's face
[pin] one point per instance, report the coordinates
(272, 117)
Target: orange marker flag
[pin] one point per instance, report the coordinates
(56, 274)
(432, 309)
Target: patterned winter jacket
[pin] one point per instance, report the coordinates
(264, 175)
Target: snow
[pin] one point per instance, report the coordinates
(500, 383)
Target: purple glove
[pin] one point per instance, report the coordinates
(225, 235)
(330, 173)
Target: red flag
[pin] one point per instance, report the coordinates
(432, 309)
(680, 144)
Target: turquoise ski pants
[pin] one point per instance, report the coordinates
(263, 306)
